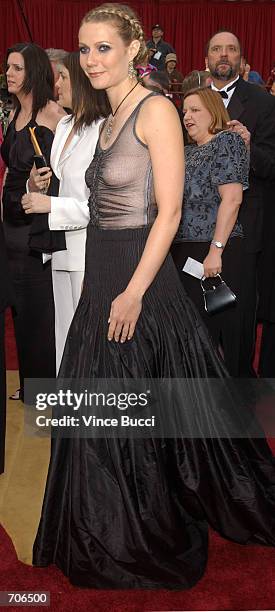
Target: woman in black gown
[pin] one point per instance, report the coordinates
(30, 81)
(133, 513)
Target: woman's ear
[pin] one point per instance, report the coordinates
(134, 48)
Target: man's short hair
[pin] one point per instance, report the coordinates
(223, 31)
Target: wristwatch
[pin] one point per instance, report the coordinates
(217, 244)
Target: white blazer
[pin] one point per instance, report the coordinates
(69, 211)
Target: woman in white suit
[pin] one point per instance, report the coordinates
(72, 151)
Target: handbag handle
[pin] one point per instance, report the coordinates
(203, 279)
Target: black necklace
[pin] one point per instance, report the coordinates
(110, 121)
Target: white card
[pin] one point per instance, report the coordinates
(157, 55)
(46, 257)
(193, 267)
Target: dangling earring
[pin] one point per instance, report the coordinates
(131, 71)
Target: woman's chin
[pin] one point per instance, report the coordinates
(63, 103)
(192, 134)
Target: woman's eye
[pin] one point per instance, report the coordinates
(84, 50)
(103, 48)
(17, 68)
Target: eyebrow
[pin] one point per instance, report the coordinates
(16, 65)
(98, 42)
(228, 45)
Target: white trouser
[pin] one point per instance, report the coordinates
(66, 290)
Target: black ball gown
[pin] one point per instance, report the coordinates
(133, 513)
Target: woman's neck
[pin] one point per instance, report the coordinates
(204, 139)
(118, 92)
(26, 103)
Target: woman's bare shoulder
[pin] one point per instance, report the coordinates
(157, 108)
(156, 101)
(50, 115)
(158, 118)
(156, 114)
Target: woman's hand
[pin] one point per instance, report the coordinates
(237, 126)
(38, 182)
(125, 310)
(36, 203)
(212, 263)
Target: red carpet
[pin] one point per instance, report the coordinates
(237, 578)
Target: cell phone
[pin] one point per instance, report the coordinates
(40, 161)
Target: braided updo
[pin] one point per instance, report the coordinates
(126, 21)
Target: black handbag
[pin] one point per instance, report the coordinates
(218, 296)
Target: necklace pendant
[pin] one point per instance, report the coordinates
(109, 129)
(110, 121)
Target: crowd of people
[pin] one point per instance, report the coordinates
(94, 248)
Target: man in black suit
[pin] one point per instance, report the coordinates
(252, 110)
(5, 300)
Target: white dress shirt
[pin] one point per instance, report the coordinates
(229, 93)
(69, 211)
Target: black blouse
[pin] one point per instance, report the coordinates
(17, 152)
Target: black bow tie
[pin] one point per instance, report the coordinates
(224, 94)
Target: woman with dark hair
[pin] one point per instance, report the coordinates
(72, 151)
(30, 81)
(216, 174)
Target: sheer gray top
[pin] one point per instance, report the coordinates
(121, 181)
(222, 160)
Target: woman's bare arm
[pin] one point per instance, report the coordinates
(232, 195)
(159, 128)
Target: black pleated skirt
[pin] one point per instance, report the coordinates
(133, 513)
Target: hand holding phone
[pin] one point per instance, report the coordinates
(41, 162)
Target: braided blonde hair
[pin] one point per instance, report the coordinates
(126, 21)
